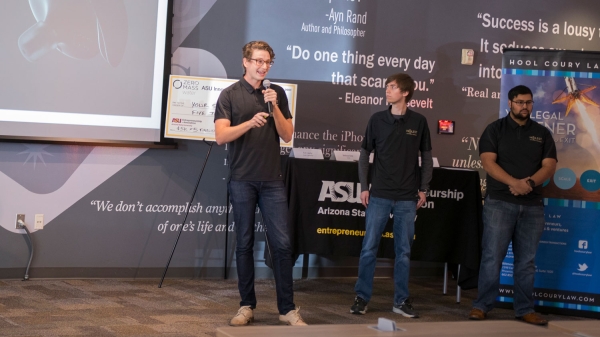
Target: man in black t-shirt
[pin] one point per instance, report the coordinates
(251, 119)
(518, 155)
(396, 136)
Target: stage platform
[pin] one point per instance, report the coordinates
(463, 329)
(577, 328)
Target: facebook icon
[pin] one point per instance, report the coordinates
(583, 244)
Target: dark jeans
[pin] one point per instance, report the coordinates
(504, 222)
(272, 201)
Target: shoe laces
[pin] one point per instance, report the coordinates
(408, 304)
(295, 317)
(242, 311)
(359, 300)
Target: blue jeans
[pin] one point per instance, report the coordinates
(272, 201)
(503, 222)
(377, 216)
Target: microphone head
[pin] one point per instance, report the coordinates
(266, 83)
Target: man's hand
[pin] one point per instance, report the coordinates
(422, 199)
(259, 120)
(364, 197)
(520, 187)
(270, 96)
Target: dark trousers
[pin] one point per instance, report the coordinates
(272, 201)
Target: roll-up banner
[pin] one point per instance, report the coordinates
(565, 86)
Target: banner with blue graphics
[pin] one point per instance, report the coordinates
(566, 92)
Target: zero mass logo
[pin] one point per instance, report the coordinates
(177, 84)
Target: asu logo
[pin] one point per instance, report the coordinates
(535, 139)
(341, 191)
(411, 132)
(176, 120)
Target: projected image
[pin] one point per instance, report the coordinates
(82, 70)
(78, 29)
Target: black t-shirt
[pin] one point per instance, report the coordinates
(255, 155)
(520, 151)
(396, 143)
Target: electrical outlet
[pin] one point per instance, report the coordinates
(39, 221)
(20, 217)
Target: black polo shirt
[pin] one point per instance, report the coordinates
(255, 155)
(520, 151)
(396, 143)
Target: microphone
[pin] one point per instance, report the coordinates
(267, 85)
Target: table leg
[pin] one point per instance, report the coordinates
(305, 265)
(445, 287)
(457, 286)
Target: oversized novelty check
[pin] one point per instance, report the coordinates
(192, 102)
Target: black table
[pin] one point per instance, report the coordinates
(326, 212)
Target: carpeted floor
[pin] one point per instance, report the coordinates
(113, 307)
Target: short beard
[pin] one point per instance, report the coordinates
(519, 117)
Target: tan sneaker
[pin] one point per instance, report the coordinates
(292, 318)
(244, 316)
(533, 318)
(477, 314)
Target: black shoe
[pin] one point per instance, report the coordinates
(406, 309)
(359, 307)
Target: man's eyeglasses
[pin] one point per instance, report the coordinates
(521, 103)
(260, 62)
